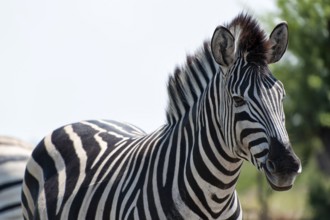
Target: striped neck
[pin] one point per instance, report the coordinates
(194, 113)
(209, 165)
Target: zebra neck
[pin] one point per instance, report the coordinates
(205, 170)
(207, 167)
(208, 121)
(213, 158)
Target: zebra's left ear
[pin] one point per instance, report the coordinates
(278, 41)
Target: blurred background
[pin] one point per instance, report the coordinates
(66, 61)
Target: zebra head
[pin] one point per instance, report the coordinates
(251, 109)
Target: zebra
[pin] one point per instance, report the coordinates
(224, 107)
(14, 155)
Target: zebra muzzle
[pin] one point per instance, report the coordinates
(282, 166)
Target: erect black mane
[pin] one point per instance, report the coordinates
(189, 81)
(251, 39)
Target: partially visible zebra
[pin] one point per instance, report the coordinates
(14, 155)
(225, 106)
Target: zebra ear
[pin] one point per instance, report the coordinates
(223, 46)
(278, 41)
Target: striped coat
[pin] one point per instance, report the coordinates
(225, 106)
(14, 154)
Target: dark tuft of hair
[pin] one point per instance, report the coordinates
(252, 39)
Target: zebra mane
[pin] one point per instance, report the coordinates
(251, 40)
(189, 81)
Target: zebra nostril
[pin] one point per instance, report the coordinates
(270, 165)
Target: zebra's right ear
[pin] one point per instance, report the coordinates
(223, 46)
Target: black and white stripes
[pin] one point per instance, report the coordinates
(218, 114)
(14, 154)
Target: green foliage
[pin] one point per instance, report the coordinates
(305, 72)
(319, 199)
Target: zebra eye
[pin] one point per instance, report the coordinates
(239, 101)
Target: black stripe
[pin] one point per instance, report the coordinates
(10, 207)
(25, 204)
(202, 71)
(219, 200)
(248, 131)
(262, 153)
(215, 161)
(257, 142)
(196, 77)
(41, 156)
(235, 214)
(209, 57)
(200, 195)
(168, 204)
(10, 184)
(33, 186)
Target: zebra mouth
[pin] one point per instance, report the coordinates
(278, 188)
(271, 179)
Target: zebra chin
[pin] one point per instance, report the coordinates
(280, 182)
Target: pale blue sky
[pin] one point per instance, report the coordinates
(64, 61)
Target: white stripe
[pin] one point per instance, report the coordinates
(121, 129)
(60, 167)
(166, 161)
(121, 158)
(137, 151)
(36, 171)
(185, 211)
(132, 206)
(191, 192)
(101, 144)
(160, 212)
(91, 190)
(82, 156)
(120, 187)
(145, 185)
(30, 202)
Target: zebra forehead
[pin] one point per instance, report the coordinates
(250, 39)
